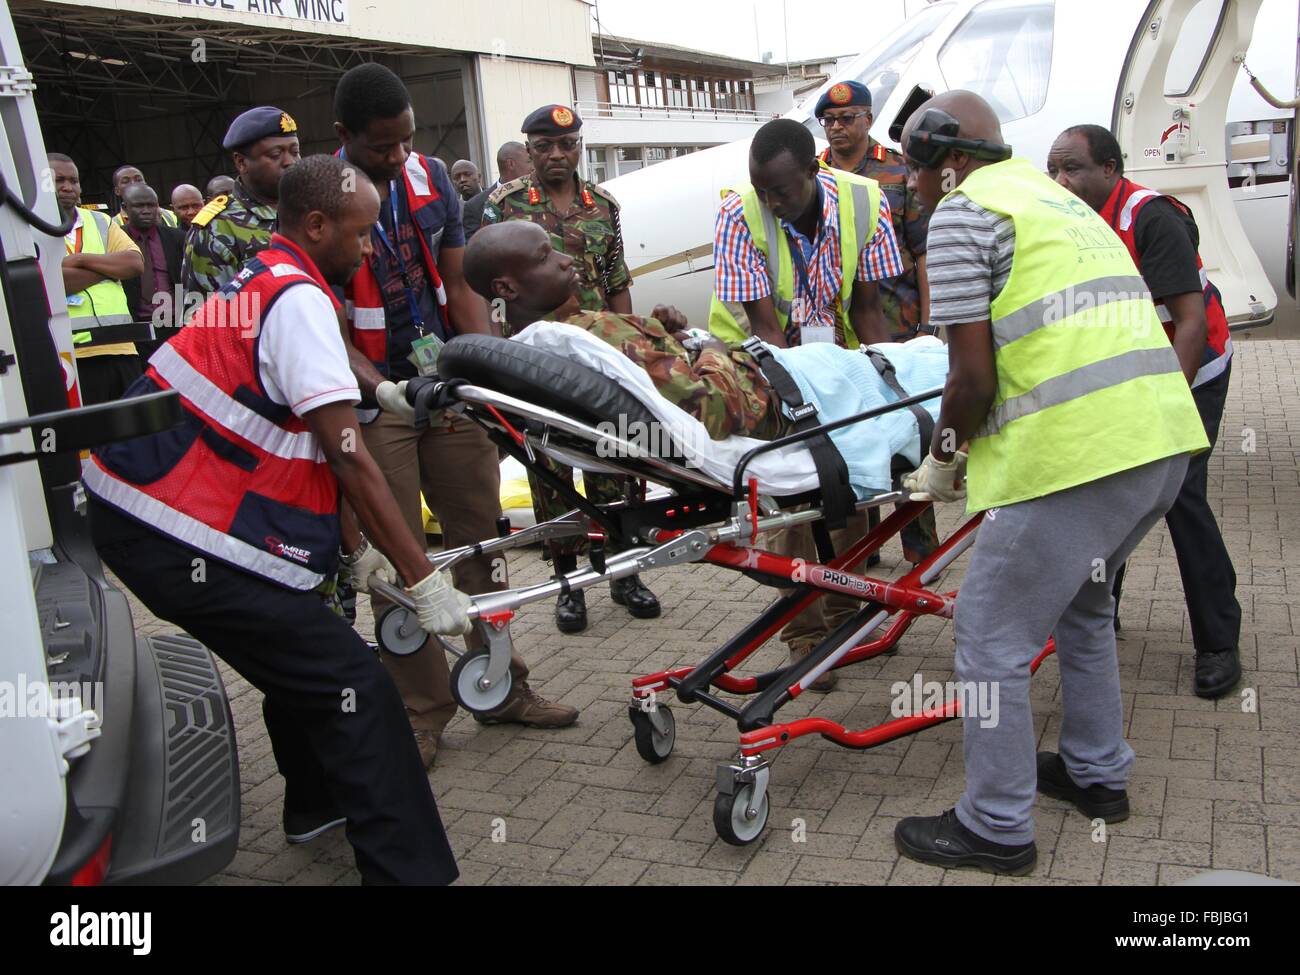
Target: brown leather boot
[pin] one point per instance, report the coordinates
(427, 742)
(827, 681)
(524, 706)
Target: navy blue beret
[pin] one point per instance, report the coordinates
(258, 123)
(842, 95)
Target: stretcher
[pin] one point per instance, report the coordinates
(534, 403)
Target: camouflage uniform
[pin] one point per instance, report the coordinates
(900, 296)
(724, 391)
(589, 232)
(224, 235)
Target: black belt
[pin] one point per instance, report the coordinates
(924, 421)
(125, 332)
(838, 499)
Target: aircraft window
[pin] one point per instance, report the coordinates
(1192, 50)
(881, 67)
(1003, 52)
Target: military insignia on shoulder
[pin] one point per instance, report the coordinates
(213, 207)
(601, 192)
(878, 152)
(505, 189)
(534, 197)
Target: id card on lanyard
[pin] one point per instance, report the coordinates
(395, 256)
(799, 308)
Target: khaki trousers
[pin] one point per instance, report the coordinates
(455, 465)
(814, 623)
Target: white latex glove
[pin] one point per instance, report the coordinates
(937, 480)
(370, 561)
(392, 398)
(440, 607)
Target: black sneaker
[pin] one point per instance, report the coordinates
(301, 827)
(945, 842)
(1217, 672)
(1095, 801)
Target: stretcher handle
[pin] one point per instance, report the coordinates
(737, 482)
(396, 594)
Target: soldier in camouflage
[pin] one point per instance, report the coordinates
(720, 384)
(233, 227)
(845, 113)
(582, 221)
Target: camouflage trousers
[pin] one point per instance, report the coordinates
(548, 505)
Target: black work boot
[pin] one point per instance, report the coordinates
(1217, 672)
(945, 842)
(640, 601)
(1094, 801)
(571, 612)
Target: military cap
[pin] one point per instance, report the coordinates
(842, 94)
(552, 120)
(258, 123)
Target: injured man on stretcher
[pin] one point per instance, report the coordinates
(714, 398)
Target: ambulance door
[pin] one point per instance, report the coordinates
(1170, 116)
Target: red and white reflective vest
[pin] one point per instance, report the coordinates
(242, 479)
(1121, 212)
(367, 324)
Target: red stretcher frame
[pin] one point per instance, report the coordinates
(904, 599)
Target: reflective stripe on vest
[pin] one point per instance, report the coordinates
(241, 478)
(1087, 383)
(103, 303)
(859, 211)
(194, 533)
(1121, 212)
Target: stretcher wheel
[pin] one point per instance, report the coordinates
(399, 631)
(730, 820)
(465, 688)
(651, 744)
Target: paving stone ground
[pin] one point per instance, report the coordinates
(1216, 784)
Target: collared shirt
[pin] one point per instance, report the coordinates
(740, 270)
(151, 249)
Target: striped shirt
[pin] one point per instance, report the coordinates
(740, 269)
(969, 260)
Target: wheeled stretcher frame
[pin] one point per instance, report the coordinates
(703, 521)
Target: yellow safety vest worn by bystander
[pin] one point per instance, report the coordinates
(103, 303)
(859, 209)
(1087, 383)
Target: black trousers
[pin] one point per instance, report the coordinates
(1209, 579)
(104, 378)
(340, 736)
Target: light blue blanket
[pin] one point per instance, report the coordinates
(842, 384)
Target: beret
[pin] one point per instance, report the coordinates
(552, 120)
(258, 123)
(842, 95)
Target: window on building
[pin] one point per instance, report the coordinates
(622, 88)
(597, 170)
(1003, 52)
(677, 94)
(629, 159)
(651, 93)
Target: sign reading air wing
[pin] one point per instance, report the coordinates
(316, 11)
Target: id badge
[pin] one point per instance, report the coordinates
(424, 354)
(76, 301)
(808, 334)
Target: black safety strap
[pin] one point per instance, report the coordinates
(924, 421)
(838, 500)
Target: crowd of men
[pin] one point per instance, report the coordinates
(299, 465)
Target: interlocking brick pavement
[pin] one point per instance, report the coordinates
(1215, 785)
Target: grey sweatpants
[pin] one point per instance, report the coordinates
(1039, 568)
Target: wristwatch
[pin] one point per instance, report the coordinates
(355, 557)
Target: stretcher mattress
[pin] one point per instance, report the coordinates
(841, 383)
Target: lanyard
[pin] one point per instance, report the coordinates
(800, 265)
(74, 247)
(395, 253)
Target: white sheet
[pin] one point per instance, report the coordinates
(787, 471)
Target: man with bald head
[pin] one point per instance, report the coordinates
(512, 162)
(465, 177)
(186, 202)
(162, 248)
(128, 175)
(1079, 424)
